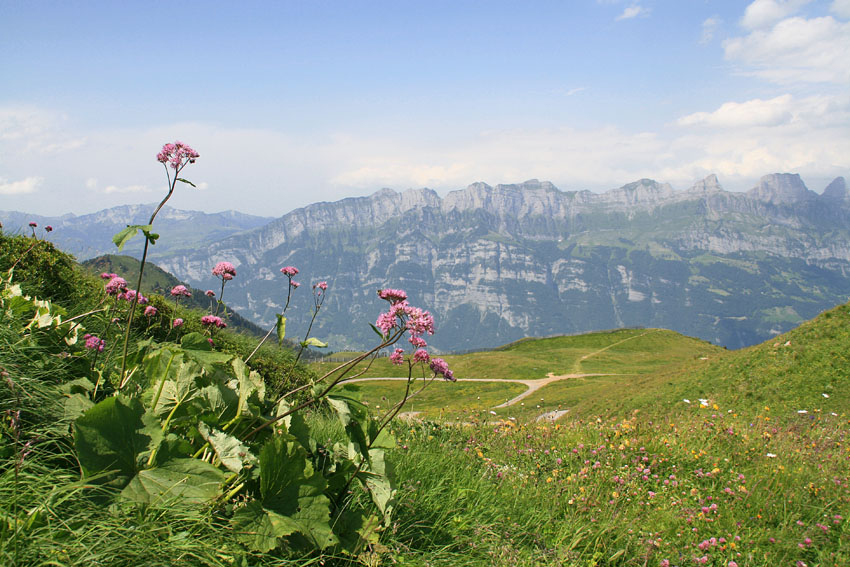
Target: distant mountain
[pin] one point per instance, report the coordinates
(499, 263)
(495, 264)
(87, 236)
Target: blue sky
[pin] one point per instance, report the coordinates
(294, 102)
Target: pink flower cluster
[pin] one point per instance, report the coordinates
(210, 293)
(397, 357)
(177, 155)
(116, 285)
(440, 366)
(150, 311)
(177, 322)
(94, 343)
(208, 320)
(289, 271)
(130, 295)
(180, 290)
(321, 286)
(392, 295)
(224, 270)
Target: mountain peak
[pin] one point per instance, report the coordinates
(781, 188)
(837, 190)
(707, 185)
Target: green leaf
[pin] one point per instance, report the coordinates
(356, 528)
(377, 482)
(128, 233)
(260, 529)
(181, 389)
(188, 481)
(230, 451)
(252, 387)
(291, 487)
(377, 331)
(76, 405)
(107, 438)
(281, 328)
(313, 341)
(186, 181)
(199, 348)
(380, 439)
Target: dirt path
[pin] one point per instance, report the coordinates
(578, 362)
(532, 385)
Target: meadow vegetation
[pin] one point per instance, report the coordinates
(198, 448)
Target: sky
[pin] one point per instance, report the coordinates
(290, 103)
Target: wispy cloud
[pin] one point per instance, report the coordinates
(765, 13)
(633, 11)
(709, 29)
(22, 187)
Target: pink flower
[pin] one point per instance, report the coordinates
(213, 320)
(385, 322)
(211, 342)
(177, 322)
(33, 224)
(421, 355)
(321, 285)
(289, 271)
(116, 285)
(418, 342)
(177, 155)
(392, 295)
(439, 366)
(210, 293)
(150, 311)
(108, 276)
(397, 357)
(180, 290)
(294, 284)
(731, 564)
(665, 563)
(130, 294)
(48, 228)
(224, 270)
(94, 343)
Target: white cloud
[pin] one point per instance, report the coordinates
(841, 8)
(709, 28)
(29, 129)
(632, 11)
(765, 13)
(795, 50)
(22, 187)
(754, 112)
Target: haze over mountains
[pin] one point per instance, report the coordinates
(495, 264)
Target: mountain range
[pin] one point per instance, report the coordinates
(498, 263)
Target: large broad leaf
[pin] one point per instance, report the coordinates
(186, 481)
(380, 438)
(108, 437)
(261, 529)
(180, 389)
(230, 451)
(377, 482)
(291, 487)
(356, 528)
(198, 347)
(251, 387)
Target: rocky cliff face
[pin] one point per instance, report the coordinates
(496, 263)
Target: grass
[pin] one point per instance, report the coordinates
(751, 469)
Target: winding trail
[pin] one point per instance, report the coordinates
(532, 385)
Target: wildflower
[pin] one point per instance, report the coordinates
(664, 563)
(771, 455)
(94, 343)
(439, 366)
(108, 276)
(224, 270)
(150, 311)
(392, 295)
(33, 225)
(210, 293)
(211, 342)
(207, 320)
(825, 395)
(385, 322)
(177, 155)
(321, 285)
(418, 342)
(130, 295)
(116, 285)
(421, 355)
(48, 228)
(294, 284)
(177, 322)
(289, 271)
(397, 357)
(180, 290)
(802, 411)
